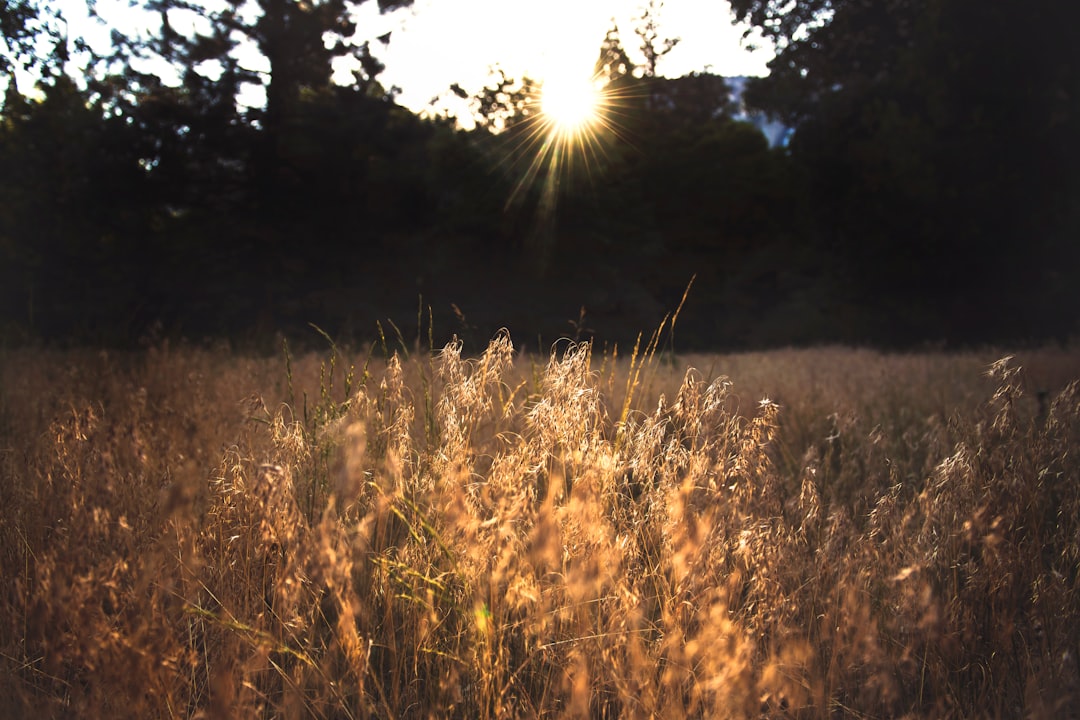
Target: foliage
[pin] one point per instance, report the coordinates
(936, 140)
(32, 38)
(648, 32)
(928, 194)
(60, 220)
(505, 102)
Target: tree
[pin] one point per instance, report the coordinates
(826, 47)
(938, 140)
(76, 228)
(34, 38)
(504, 103)
(648, 31)
(301, 41)
(22, 25)
(613, 65)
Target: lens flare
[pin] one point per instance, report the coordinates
(565, 137)
(569, 102)
(558, 148)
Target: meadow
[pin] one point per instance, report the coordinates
(817, 533)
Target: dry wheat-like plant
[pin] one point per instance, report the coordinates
(194, 534)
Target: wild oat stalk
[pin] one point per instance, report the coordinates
(543, 539)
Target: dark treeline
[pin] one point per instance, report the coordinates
(929, 192)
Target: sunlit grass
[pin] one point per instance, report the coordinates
(197, 534)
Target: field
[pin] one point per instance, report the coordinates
(192, 533)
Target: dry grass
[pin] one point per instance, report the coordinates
(193, 534)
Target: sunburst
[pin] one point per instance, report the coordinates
(570, 103)
(563, 138)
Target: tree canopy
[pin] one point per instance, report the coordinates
(929, 191)
(941, 140)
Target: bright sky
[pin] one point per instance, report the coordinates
(440, 42)
(436, 43)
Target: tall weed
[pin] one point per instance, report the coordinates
(192, 534)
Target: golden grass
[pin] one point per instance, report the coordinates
(193, 534)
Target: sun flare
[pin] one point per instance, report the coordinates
(570, 103)
(563, 140)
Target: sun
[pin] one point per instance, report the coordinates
(569, 102)
(564, 139)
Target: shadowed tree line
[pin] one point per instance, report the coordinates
(929, 192)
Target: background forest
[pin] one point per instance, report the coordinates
(929, 192)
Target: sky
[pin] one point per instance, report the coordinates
(436, 43)
(439, 42)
